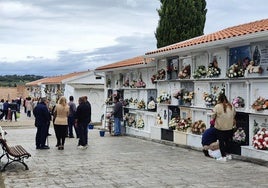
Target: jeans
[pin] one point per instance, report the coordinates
(117, 126)
(70, 125)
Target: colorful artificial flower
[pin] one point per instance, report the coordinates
(200, 72)
(260, 140)
(140, 123)
(164, 98)
(238, 102)
(235, 71)
(260, 104)
(198, 127)
(239, 135)
(184, 124)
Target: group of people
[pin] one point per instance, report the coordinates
(65, 116)
(217, 139)
(8, 110)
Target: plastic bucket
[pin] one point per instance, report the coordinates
(102, 133)
(90, 126)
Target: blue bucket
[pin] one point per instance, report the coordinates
(90, 126)
(102, 133)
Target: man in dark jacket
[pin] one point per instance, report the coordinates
(82, 119)
(42, 119)
(118, 116)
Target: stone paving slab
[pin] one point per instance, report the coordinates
(119, 162)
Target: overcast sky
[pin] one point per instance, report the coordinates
(54, 37)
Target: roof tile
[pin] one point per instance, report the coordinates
(239, 30)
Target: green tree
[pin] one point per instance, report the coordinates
(180, 20)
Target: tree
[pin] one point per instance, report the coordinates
(180, 20)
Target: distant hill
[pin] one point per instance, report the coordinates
(14, 80)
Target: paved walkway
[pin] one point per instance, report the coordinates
(119, 162)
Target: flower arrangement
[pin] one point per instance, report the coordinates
(239, 135)
(184, 124)
(213, 69)
(252, 68)
(198, 127)
(238, 102)
(173, 123)
(210, 99)
(188, 96)
(185, 72)
(260, 140)
(260, 104)
(141, 104)
(130, 120)
(140, 84)
(200, 72)
(164, 98)
(140, 123)
(132, 84)
(151, 105)
(178, 94)
(235, 70)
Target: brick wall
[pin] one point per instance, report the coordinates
(13, 92)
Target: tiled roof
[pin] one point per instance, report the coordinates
(231, 32)
(128, 62)
(54, 79)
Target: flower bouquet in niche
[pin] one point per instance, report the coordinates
(184, 124)
(235, 70)
(239, 136)
(141, 104)
(185, 72)
(178, 94)
(260, 104)
(213, 69)
(198, 127)
(140, 123)
(210, 99)
(260, 140)
(164, 98)
(173, 123)
(238, 102)
(188, 96)
(200, 72)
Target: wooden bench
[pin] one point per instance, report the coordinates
(14, 154)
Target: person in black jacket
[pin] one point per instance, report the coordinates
(42, 120)
(82, 119)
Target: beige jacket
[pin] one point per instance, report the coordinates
(61, 114)
(224, 121)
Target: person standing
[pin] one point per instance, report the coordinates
(61, 114)
(72, 111)
(118, 116)
(29, 106)
(224, 114)
(2, 109)
(5, 109)
(82, 119)
(13, 109)
(42, 118)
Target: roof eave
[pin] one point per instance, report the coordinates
(253, 37)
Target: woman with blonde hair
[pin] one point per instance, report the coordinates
(60, 114)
